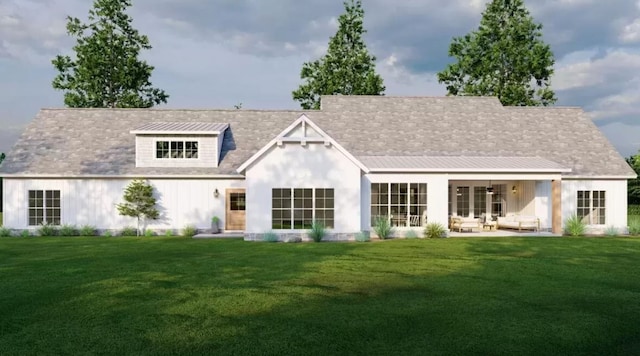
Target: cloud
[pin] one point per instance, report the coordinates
(608, 86)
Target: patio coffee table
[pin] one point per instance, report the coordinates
(490, 225)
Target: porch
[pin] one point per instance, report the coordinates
(532, 202)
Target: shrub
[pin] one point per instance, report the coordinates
(129, 231)
(68, 230)
(574, 226)
(4, 232)
(382, 227)
(168, 233)
(634, 225)
(47, 230)
(317, 231)
(270, 237)
(611, 231)
(189, 231)
(633, 209)
(25, 233)
(107, 233)
(363, 236)
(88, 230)
(435, 231)
(410, 234)
(149, 233)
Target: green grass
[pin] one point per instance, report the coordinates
(509, 296)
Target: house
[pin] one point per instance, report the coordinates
(411, 160)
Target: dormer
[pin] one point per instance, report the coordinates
(179, 144)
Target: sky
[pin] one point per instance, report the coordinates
(219, 53)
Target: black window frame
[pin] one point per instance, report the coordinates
(44, 206)
(298, 208)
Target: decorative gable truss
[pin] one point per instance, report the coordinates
(302, 131)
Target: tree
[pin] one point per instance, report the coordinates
(2, 157)
(346, 69)
(505, 57)
(139, 202)
(633, 187)
(106, 72)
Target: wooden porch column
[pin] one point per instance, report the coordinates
(556, 206)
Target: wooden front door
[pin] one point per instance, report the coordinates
(235, 216)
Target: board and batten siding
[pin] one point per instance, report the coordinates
(437, 195)
(313, 165)
(615, 200)
(208, 151)
(93, 201)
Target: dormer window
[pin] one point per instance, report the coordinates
(177, 149)
(179, 144)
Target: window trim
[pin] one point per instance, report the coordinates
(292, 209)
(184, 149)
(44, 207)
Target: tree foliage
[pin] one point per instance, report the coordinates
(106, 72)
(633, 187)
(506, 57)
(139, 202)
(2, 157)
(346, 69)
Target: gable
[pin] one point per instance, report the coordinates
(302, 131)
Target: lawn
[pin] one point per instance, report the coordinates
(447, 296)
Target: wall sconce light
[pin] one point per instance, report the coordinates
(216, 193)
(514, 190)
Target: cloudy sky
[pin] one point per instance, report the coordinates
(218, 53)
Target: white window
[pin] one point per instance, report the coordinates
(44, 207)
(298, 208)
(177, 149)
(591, 207)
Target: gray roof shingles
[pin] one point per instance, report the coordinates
(95, 142)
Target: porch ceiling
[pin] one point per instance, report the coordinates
(461, 164)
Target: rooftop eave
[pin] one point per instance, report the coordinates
(467, 170)
(181, 133)
(122, 176)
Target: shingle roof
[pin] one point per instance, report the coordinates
(98, 141)
(460, 164)
(181, 127)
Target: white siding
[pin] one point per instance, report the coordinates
(296, 166)
(93, 201)
(437, 194)
(207, 152)
(615, 200)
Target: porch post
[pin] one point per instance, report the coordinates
(556, 206)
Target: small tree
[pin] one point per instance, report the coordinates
(139, 202)
(2, 157)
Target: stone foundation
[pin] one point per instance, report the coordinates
(303, 236)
